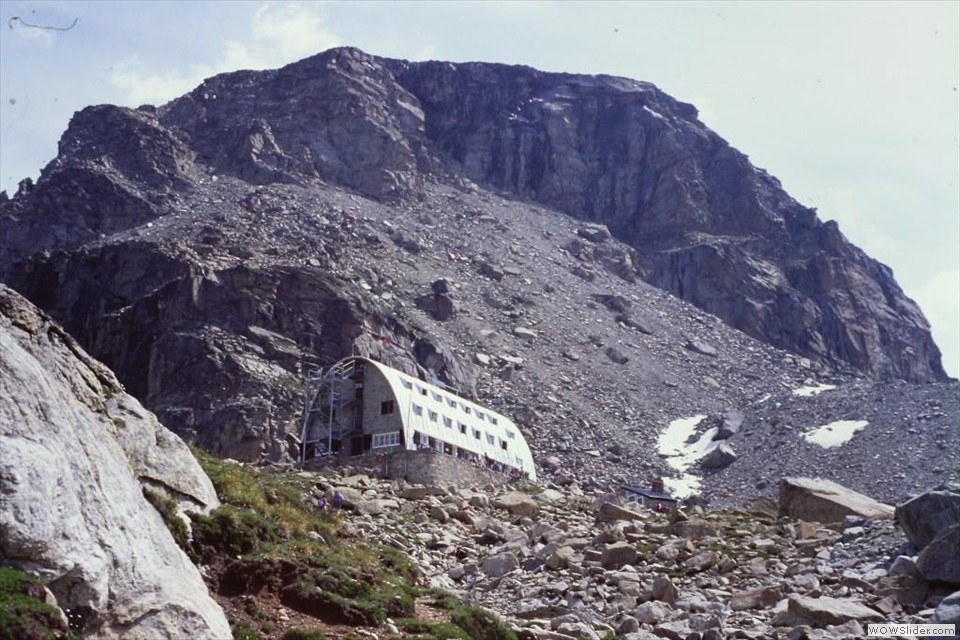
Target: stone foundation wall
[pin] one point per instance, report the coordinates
(425, 467)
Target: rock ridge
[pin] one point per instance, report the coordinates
(78, 454)
(707, 225)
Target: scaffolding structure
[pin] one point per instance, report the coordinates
(326, 395)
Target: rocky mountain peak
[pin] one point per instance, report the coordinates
(339, 117)
(707, 225)
(211, 248)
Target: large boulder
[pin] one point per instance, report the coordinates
(758, 598)
(940, 560)
(518, 504)
(948, 611)
(720, 457)
(609, 512)
(500, 564)
(818, 500)
(618, 554)
(77, 454)
(351, 498)
(924, 517)
(729, 425)
(820, 612)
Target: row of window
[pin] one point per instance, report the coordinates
(448, 423)
(422, 440)
(392, 439)
(381, 440)
(452, 402)
(387, 407)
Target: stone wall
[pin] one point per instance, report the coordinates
(425, 467)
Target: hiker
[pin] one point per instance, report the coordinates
(337, 500)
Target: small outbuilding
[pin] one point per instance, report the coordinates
(657, 500)
(360, 406)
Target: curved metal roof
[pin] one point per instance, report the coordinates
(439, 413)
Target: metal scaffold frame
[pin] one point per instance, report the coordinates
(323, 399)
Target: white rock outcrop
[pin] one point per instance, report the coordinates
(75, 449)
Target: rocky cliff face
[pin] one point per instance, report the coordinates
(708, 226)
(211, 249)
(77, 455)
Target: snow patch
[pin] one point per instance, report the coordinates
(806, 392)
(683, 487)
(834, 434)
(673, 445)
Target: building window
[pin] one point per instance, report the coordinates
(503, 444)
(417, 410)
(447, 422)
(437, 396)
(381, 440)
(493, 420)
(463, 428)
(433, 416)
(511, 435)
(490, 438)
(422, 391)
(386, 407)
(406, 384)
(452, 402)
(476, 433)
(480, 414)
(466, 409)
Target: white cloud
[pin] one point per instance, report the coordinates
(939, 297)
(280, 33)
(155, 88)
(286, 32)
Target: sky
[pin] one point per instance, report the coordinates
(854, 106)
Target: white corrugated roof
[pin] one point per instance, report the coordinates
(424, 407)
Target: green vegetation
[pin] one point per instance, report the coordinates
(244, 631)
(299, 634)
(481, 625)
(253, 609)
(23, 614)
(476, 623)
(167, 508)
(267, 535)
(431, 630)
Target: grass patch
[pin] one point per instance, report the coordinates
(23, 614)
(420, 630)
(476, 623)
(267, 534)
(167, 508)
(244, 631)
(481, 625)
(300, 634)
